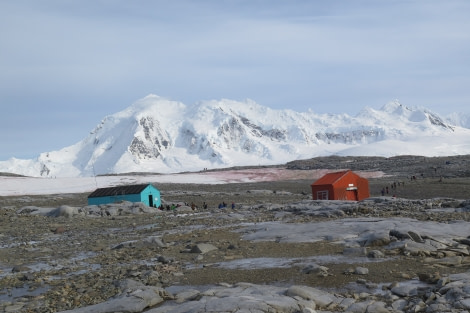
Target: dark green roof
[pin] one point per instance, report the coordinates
(119, 190)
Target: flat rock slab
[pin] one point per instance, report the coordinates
(203, 248)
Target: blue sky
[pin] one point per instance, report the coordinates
(66, 64)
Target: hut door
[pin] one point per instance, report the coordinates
(351, 193)
(151, 200)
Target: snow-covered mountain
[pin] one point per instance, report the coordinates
(159, 135)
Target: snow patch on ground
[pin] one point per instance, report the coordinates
(10, 186)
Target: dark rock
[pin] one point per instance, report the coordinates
(20, 268)
(59, 230)
(27, 277)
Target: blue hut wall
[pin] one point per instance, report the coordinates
(150, 196)
(113, 199)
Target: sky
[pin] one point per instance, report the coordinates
(66, 64)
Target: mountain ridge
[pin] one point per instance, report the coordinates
(155, 134)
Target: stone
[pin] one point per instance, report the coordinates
(375, 254)
(405, 290)
(449, 261)
(17, 307)
(355, 251)
(419, 249)
(399, 305)
(187, 295)
(126, 244)
(399, 234)
(442, 282)
(377, 239)
(64, 211)
(465, 303)
(203, 248)
(27, 277)
(345, 303)
(164, 260)
(316, 269)
(359, 307)
(306, 305)
(111, 211)
(20, 268)
(184, 209)
(430, 278)
(321, 298)
(377, 307)
(129, 301)
(59, 230)
(415, 236)
(361, 271)
(155, 241)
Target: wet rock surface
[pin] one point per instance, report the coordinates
(275, 251)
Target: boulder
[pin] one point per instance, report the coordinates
(316, 269)
(64, 211)
(321, 298)
(20, 268)
(377, 239)
(361, 271)
(375, 254)
(135, 298)
(416, 248)
(187, 295)
(154, 241)
(405, 290)
(203, 248)
(377, 307)
(415, 236)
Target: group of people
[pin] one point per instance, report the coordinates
(393, 187)
(223, 205)
(193, 206)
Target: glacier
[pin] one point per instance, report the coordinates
(159, 135)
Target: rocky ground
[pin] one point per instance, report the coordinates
(131, 258)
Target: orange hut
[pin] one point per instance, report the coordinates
(345, 185)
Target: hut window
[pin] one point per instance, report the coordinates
(322, 195)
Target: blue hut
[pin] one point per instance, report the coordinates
(145, 193)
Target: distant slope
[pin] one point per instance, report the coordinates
(159, 135)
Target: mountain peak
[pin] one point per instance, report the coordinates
(395, 107)
(156, 134)
(154, 105)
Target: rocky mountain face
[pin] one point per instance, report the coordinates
(158, 135)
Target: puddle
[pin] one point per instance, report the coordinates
(9, 294)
